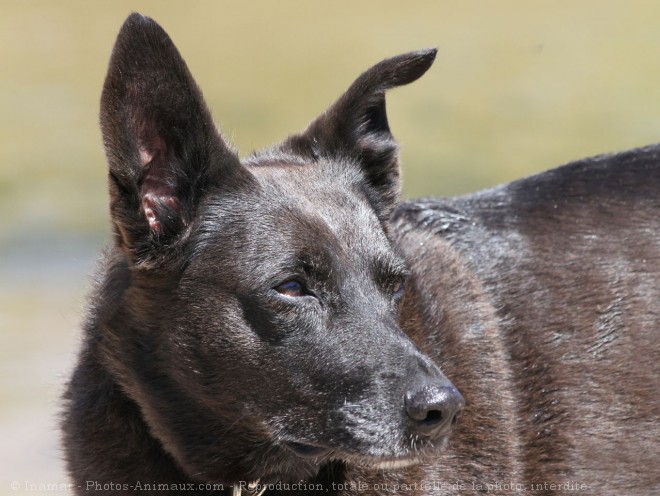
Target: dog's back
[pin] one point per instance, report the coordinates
(566, 266)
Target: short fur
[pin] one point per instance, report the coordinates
(538, 299)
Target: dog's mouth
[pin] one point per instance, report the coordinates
(318, 454)
(309, 451)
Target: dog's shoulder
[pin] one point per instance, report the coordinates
(591, 189)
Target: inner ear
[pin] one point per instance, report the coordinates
(151, 145)
(375, 119)
(160, 203)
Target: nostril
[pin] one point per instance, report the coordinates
(459, 412)
(433, 417)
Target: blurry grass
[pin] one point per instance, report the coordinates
(27, 314)
(39, 341)
(517, 87)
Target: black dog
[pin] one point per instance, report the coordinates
(276, 324)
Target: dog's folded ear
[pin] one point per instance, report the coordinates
(356, 126)
(163, 148)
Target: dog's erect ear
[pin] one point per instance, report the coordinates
(356, 126)
(163, 149)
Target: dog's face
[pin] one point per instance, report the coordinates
(263, 295)
(296, 292)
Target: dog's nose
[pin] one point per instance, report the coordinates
(434, 409)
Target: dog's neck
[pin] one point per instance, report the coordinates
(119, 433)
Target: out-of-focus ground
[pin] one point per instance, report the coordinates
(517, 87)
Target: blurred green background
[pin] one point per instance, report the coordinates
(518, 87)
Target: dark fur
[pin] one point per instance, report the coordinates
(539, 299)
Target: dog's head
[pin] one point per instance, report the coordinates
(259, 312)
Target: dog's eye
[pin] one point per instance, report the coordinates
(398, 290)
(291, 288)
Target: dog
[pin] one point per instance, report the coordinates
(285, 324)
